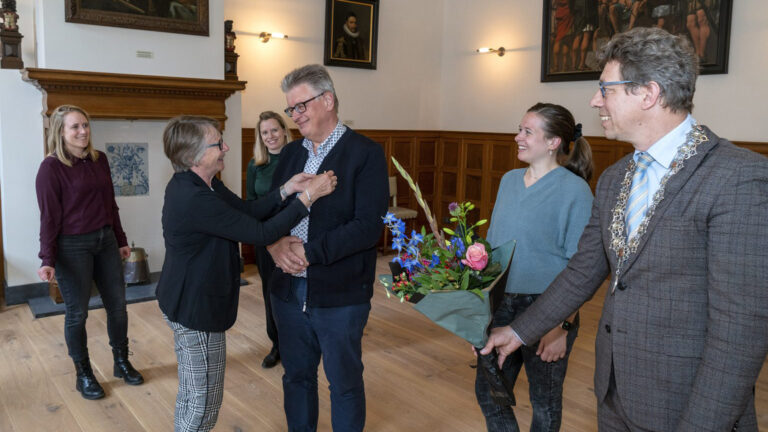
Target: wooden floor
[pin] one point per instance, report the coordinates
(417, 375)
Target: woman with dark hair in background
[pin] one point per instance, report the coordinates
(273, 136)
(82, 241)
(545, 208)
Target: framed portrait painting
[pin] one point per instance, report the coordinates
(174, 16)
(575, 30)
(351, 30)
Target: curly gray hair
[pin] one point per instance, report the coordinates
(648, 54)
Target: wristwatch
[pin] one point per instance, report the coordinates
(567, 326)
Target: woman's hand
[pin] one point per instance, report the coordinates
(552, 346)
(298, 183)
(322, 185)
(125, 252)
(46, 273)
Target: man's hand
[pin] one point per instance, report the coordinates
(46, 273)
(552, 346)
(284, 253)
(505, 342)
(125, 252)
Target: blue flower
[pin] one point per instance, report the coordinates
(398, 243)
(458, 245)
(389, 218)
(416, 238)
(435, 260)
(410, 264)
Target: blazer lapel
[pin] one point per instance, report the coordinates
(673, 188)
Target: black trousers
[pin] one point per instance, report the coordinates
(266, 268)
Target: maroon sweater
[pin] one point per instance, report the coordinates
(75, 200)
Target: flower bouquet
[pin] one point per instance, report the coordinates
(457, 282)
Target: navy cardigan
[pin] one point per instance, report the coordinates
(344, 226)
(200, 283)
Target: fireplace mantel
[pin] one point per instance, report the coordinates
(123, 96)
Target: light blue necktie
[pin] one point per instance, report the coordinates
(637, 205)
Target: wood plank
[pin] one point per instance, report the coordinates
(417, 375)
(28, 395)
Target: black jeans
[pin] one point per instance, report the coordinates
(545, 380)
(266, 268)
(81, 260)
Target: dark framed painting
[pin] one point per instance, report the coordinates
(575, 30)
(174, 16)
(351, 30)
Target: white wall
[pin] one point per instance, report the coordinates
(86, 47)
(21, 150)
(428, 78)
(490, 93)
(60, 45)
(402, 93)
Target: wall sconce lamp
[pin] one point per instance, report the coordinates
(500, 51)
(265, 37)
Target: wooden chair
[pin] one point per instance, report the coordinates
(403, 213)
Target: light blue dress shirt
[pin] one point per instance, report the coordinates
(663, 152)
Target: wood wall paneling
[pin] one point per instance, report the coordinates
(461, 166)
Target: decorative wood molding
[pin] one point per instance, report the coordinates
(468, 166)
(123, 96)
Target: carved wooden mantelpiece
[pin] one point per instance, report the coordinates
(123, 96)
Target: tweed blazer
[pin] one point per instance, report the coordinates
(686, 330)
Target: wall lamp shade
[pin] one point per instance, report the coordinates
(265, 37)
(500, 51)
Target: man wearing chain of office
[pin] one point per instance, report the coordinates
(681, 228)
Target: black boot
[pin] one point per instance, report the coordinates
(272, 358)
(124, 369)
(86, 382)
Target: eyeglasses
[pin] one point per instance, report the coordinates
(219, 144)
(603, 85)
(301, 106)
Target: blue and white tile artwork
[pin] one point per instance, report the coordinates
(129, 163)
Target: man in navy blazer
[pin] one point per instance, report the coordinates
(684, 329)
(322, 287)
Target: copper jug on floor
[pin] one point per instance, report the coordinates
(136, 267)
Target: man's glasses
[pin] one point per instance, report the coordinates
(603, 85)
(219, 144)
(300, 107)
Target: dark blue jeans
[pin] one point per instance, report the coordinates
(335, 334)
(545, 380)
(81, 260)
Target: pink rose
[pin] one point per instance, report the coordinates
(477, 257)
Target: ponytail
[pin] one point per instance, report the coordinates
(579, 159)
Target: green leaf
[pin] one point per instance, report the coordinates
(481, 222)
(478, 292)
(450, 232)
(464, 282)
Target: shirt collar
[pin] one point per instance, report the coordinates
(665, 149)
(329, 142)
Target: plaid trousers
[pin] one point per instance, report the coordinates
(201, 357)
